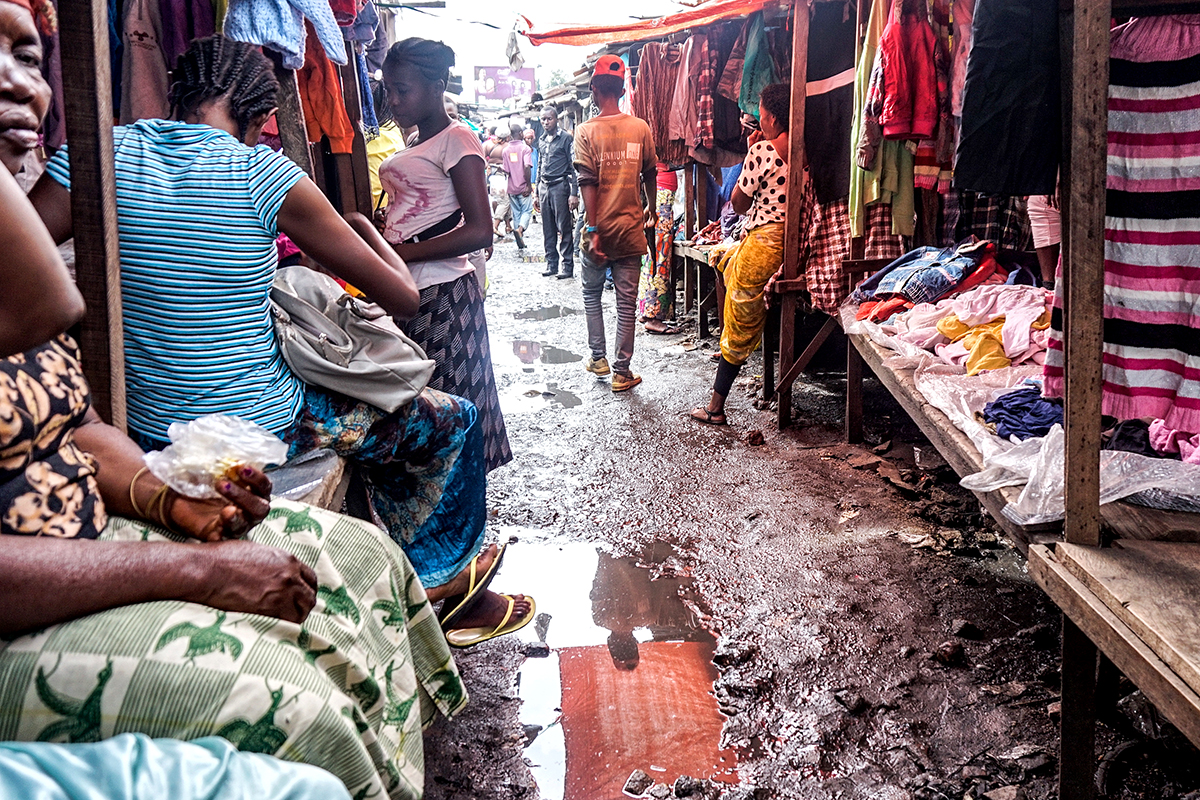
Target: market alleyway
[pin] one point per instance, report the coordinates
(873, 639)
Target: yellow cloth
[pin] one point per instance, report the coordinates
(389, 142)
(747, 267)
(984, 343)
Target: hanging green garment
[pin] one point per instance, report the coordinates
(891, 180)
(758, 72)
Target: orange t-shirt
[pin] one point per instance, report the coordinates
(617, 150)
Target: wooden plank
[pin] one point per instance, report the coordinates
(87, 97)
(343, 174)
(359, 171)
(1151, 587)
(792, 232)
(290, 117)
(1166, 690)
(701, 196)
(789, 377)
(1085, 126)
(1128, 521)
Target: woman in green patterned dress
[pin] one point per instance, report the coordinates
(310, 638)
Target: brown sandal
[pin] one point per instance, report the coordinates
(706, 417)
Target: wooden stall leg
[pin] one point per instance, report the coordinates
(770, 342)
(87, 95)
(702, 305)
(787, 352)
(689, 287)
(1077, 743)
(854, 388)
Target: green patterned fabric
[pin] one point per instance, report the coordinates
(350, 690)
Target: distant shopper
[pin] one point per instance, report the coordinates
(558, 195)
(761, 197)
(517, 161)
(530, 138)
(615, 159)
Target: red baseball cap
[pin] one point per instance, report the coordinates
(609, 65)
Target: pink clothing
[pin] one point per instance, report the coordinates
(417, 181)
(1166, 440)
(1168, 38)
(514, 159)
(1044, 221)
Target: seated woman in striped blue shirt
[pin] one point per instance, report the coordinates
(199, 206)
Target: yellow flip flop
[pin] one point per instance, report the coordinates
(454, 607)
(467, 637)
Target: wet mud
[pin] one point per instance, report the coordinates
(790, 618)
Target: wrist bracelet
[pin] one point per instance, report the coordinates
(132, 495)
(590, 229)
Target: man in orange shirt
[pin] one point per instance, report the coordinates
(615, 160)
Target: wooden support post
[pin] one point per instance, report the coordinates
(290, 116)
(360, 185)
(854, 388)
(1084, 31)
(87, 96)
(1085, 137)
(1077, 733)
(792, 233)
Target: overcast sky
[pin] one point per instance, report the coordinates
(477, 45)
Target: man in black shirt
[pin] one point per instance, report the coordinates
(557, 196)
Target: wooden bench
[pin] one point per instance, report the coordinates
(695, 271)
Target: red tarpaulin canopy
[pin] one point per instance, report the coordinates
(650, 28)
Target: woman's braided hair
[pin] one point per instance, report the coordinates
(432, 59)
(216, 67)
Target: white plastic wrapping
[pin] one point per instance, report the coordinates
(1038, 463)
(202, 450)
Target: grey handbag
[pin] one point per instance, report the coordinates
(334, 341)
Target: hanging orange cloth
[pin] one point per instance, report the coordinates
(321, 97)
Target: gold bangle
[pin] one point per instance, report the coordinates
(132, 494)
(161, 497)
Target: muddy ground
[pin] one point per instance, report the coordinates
(874, 637)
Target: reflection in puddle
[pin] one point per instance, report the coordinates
(628, 682)
(547, 312)
(528, 351)
(524, 399)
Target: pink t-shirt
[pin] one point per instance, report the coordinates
(417, 180)
(515, 157)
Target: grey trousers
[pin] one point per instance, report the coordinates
(626, 272)
(558, 226)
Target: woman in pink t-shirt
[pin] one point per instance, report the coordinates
(438, 213)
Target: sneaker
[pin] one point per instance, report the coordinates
(520, 239)
(597, 366)
(621, 383)
(608, 286)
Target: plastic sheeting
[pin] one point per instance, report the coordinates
(1037, 463)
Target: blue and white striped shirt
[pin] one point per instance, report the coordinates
(196, 213)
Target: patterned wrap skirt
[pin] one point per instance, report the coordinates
(656, 300)
(349, 690)
(423, 467)
(452, 329)
(747, 267)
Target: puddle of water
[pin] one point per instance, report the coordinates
(546, 312)
(628, 682)
(528, 351)
(525, 399)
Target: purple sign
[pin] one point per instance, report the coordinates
(502, 83)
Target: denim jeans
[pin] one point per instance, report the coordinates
(522, 210)
(625, 275)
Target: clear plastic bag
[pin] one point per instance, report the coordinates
(201, 451)
(1038, 463)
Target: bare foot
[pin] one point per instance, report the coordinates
(461, 582)
(490, 610)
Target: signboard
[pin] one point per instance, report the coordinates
(502, 83)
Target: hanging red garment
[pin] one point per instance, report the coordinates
(321, 97)
(910, 100)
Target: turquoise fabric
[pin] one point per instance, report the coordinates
(136, 767)
(758, 71)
